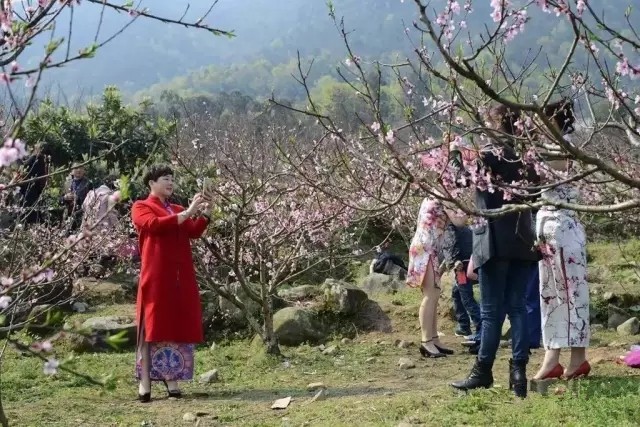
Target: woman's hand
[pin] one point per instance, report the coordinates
(195, 205)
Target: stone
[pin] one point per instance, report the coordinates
(209, 377)
(300, 293)
(617, 316)
(330, 351)
(343, 297)
(630, 327)
(597, 327)
(609, 296)
(315, 386)
(80, 307)
(506, 329)
(281, 403)
(297, 325)
(189, 417)
(370, 360)
(346, 341)
(39, 313)
(213, 346)
(376, 283)
(404, 344)
(95, 292)
(233, 316)
(505, 343)
(406, 363)
(106, 326)
(542, 386)
(321, 394)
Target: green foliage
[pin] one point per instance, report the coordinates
(122, 137)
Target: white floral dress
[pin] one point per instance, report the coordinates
(426, 246)
(564, 291)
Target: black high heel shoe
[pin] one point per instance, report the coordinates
(144, 398)
(172, 393)
(445, 351)
(426, 353)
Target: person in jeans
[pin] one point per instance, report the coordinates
(458, 244)
(503, 254)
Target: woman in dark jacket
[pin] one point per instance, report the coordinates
(503, 257)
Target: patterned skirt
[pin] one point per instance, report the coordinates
(169, 361)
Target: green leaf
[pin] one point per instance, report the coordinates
(52, 46)
(117, 340)
(128, 4)
(125, 188)
(89, 51)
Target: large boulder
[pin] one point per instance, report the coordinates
(630, 327)
(103, 327)
(376, 283)
(343, 297)
(300, 293)
(233, 316)
(617, 316)
(297, 325)
(96, 292)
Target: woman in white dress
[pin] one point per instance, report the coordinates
(564, 290)
(425, 261)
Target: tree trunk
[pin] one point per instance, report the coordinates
(269, 337)
(3, 417)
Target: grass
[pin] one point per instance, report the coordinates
(364, 385)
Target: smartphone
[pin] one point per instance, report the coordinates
(206, 187)
(461, 278)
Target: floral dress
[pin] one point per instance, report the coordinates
(426, 246)
(564, 291)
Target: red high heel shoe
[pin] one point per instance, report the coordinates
(556, 372)
(582, 371)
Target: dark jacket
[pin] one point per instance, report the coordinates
(511, 236)
(382, 259)
(457, 246)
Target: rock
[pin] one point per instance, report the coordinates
(505, 343)
(209, 377)
(106, 326)
(404, 344)
(330, 351)
(281, 403)
(300, 293)
(189, 417)
(630, 327)
(370, 360)
(80, 307)
(506, 329)
(597, 327)
(346, 341)
(381, 284)
(315, 386)
(617, 316)
(343, 297)
(39, 313)
(609, 296)
(233, 316)
(406, 363)
(213, 346)
(297, 325)
(95, 292)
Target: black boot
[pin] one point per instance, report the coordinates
(518, 378)
(480, 377)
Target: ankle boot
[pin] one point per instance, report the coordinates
(479, 377)
(518, 378)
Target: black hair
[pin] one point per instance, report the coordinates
(507, 117)
(110, 181)
(155, 172)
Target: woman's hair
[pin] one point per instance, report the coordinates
(110, 181)
(506, 117)
(155, 172)
(562, 114)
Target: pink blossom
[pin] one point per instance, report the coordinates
(375, 127)
(5, 301)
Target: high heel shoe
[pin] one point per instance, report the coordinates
(582, 371)
(144, 398)
(426, 353)
(172, 393)
(556, 372)
(445, 351)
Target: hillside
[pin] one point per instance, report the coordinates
(269, 34)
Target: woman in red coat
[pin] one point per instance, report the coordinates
(168, 306)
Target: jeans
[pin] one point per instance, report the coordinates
(503, 285)
(466, 307)
(534, 320)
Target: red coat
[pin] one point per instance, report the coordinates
(168, 296)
